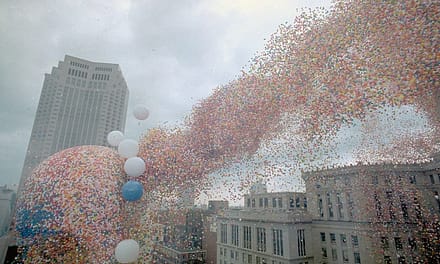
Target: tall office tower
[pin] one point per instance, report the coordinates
(80, 102)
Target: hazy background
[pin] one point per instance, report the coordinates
(172, 54)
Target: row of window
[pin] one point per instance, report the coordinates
(82, 83)
(277, 202)
(396, 206)
(398, 243)
(246, 258)
(433, 179)
(339, 206)
(400, 260)
(100, 77)
(261, 239)
(103, 69)
(77, 73)
(82, 74)
(80, 65)
(343, 239)
(345, 259)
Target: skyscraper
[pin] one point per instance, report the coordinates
(80, 102)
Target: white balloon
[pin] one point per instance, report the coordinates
(134, 166)
(114, 138)
(127, 251)
(128, 148)
(141, 112)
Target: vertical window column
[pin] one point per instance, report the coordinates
(301, 242)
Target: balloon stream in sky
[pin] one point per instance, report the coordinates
(326, 70)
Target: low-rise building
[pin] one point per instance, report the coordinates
(364, 213)
(375, 213)
(271, 228)
(7, 201)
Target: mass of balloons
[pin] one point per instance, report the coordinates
(326, 69)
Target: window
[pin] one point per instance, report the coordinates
(334, 254)
(401, 260)
(248, 202)
(266, 202)
(234, 235)
(375, 179)
(333, 238)
(387, 259)
(389, 195)
(274, 202)
(261, 239)
(291, 202)
(344, 255)
(253, 203)
(278, 242)
(417, 209)
(404, 207)
(330, 206)
(431, 178)
(343, 239)
(412, 243)
(412, 179)
(223, 233)
(398, 243)
(297, 202)
(260, 202)
(322, 237)
(249, 259)
(257, 260)
(301, 242)
(436, 197)
(247, 237)
(305, 202)
(324, 252)
(354, 241)
(357, 257)
(378, 206)
(350, 206)
(340, 206)
(320, 210)
(280, 202)
(385, 243)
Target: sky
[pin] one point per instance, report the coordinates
(172, 54)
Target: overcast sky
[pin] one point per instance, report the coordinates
(172, 54)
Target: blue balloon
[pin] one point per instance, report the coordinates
(132, 191)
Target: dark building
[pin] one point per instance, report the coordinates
(182, 238)
(209, 241)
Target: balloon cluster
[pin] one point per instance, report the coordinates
(128, 250)
(70, 209)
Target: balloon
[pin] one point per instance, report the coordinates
(134, 166)
(132, 191)
(128, 148)
(141, 112)
(114, 138)
(127, 251)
